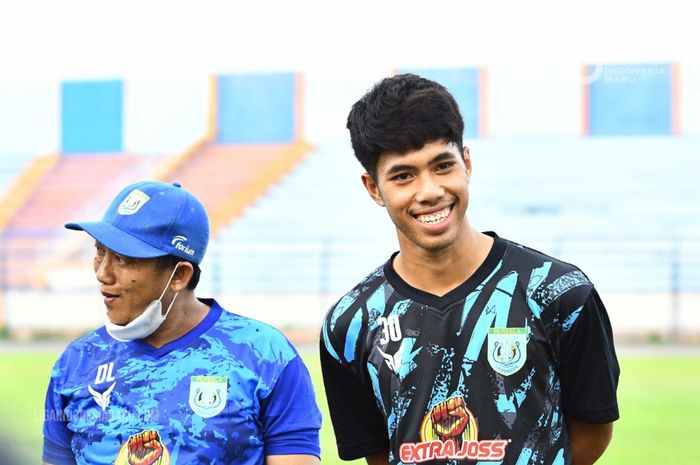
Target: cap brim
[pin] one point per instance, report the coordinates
(117, 240)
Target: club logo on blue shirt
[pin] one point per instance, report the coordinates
(208, 395)
(507, 349)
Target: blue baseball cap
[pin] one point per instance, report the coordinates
(151, 219)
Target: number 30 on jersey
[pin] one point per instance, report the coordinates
(391, 330)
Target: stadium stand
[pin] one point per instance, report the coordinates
(229, 177)
(624, 209)
(10, 167)
(67, 187)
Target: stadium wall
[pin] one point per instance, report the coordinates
(29, 117)
(164, 114)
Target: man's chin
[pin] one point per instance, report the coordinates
(116, 321)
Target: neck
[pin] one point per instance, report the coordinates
(440, 271)
(186, 314)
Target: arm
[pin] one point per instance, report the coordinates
(291, 419)
(360, 429)
(57, 436)
(588, 440)
(589, 376)
(294, 459)
(378, 459)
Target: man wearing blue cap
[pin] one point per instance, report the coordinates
(188, 384)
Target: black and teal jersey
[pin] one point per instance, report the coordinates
(232, 390)
(487, 373)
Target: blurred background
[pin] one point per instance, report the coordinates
(583, 121)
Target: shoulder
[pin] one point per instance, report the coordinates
(242, 333)
(522, 254)
(360, 306)
(83, 351)
(549, 279)
(96, 340)
(361, 293)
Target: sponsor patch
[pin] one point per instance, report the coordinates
(179, 243)
(133, 202)
(450, 432)
(208, 395)
(145, 447)
(507, 349)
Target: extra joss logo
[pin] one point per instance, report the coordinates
(145, 448)
(449, 432)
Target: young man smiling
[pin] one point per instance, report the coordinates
(188, 383)
(463, 347)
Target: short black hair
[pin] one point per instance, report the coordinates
(402, 113)
(169, 261)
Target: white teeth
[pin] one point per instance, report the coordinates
(436, 218)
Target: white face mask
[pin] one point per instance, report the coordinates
(146, 323)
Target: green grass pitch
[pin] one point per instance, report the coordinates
(659, 400)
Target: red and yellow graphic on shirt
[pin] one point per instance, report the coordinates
(144, 448)
(449, 432)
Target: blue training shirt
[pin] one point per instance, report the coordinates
(232, 390)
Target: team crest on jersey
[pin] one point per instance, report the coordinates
(208, 395)
(449, 431)
(145, 447)
(507, 349)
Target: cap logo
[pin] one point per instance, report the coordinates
(133, 202)
(178, 242)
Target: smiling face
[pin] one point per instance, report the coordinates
(128, 285)
(425, 193)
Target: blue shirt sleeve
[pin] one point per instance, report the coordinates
(57, 437)
(290, 417)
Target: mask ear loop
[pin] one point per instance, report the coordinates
(166, 288)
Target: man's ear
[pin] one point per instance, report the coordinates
(182, 276)
(372, 189)
(467, 161)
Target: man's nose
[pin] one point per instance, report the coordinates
(430, 189)
(103, 273)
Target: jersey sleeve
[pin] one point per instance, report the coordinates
(57, 437)
(360, 429)
(291, 419)
(589, 368)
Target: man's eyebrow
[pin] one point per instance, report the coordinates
(442, 156)
(398, 168)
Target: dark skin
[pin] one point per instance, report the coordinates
(130, 284)
(588, 440)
